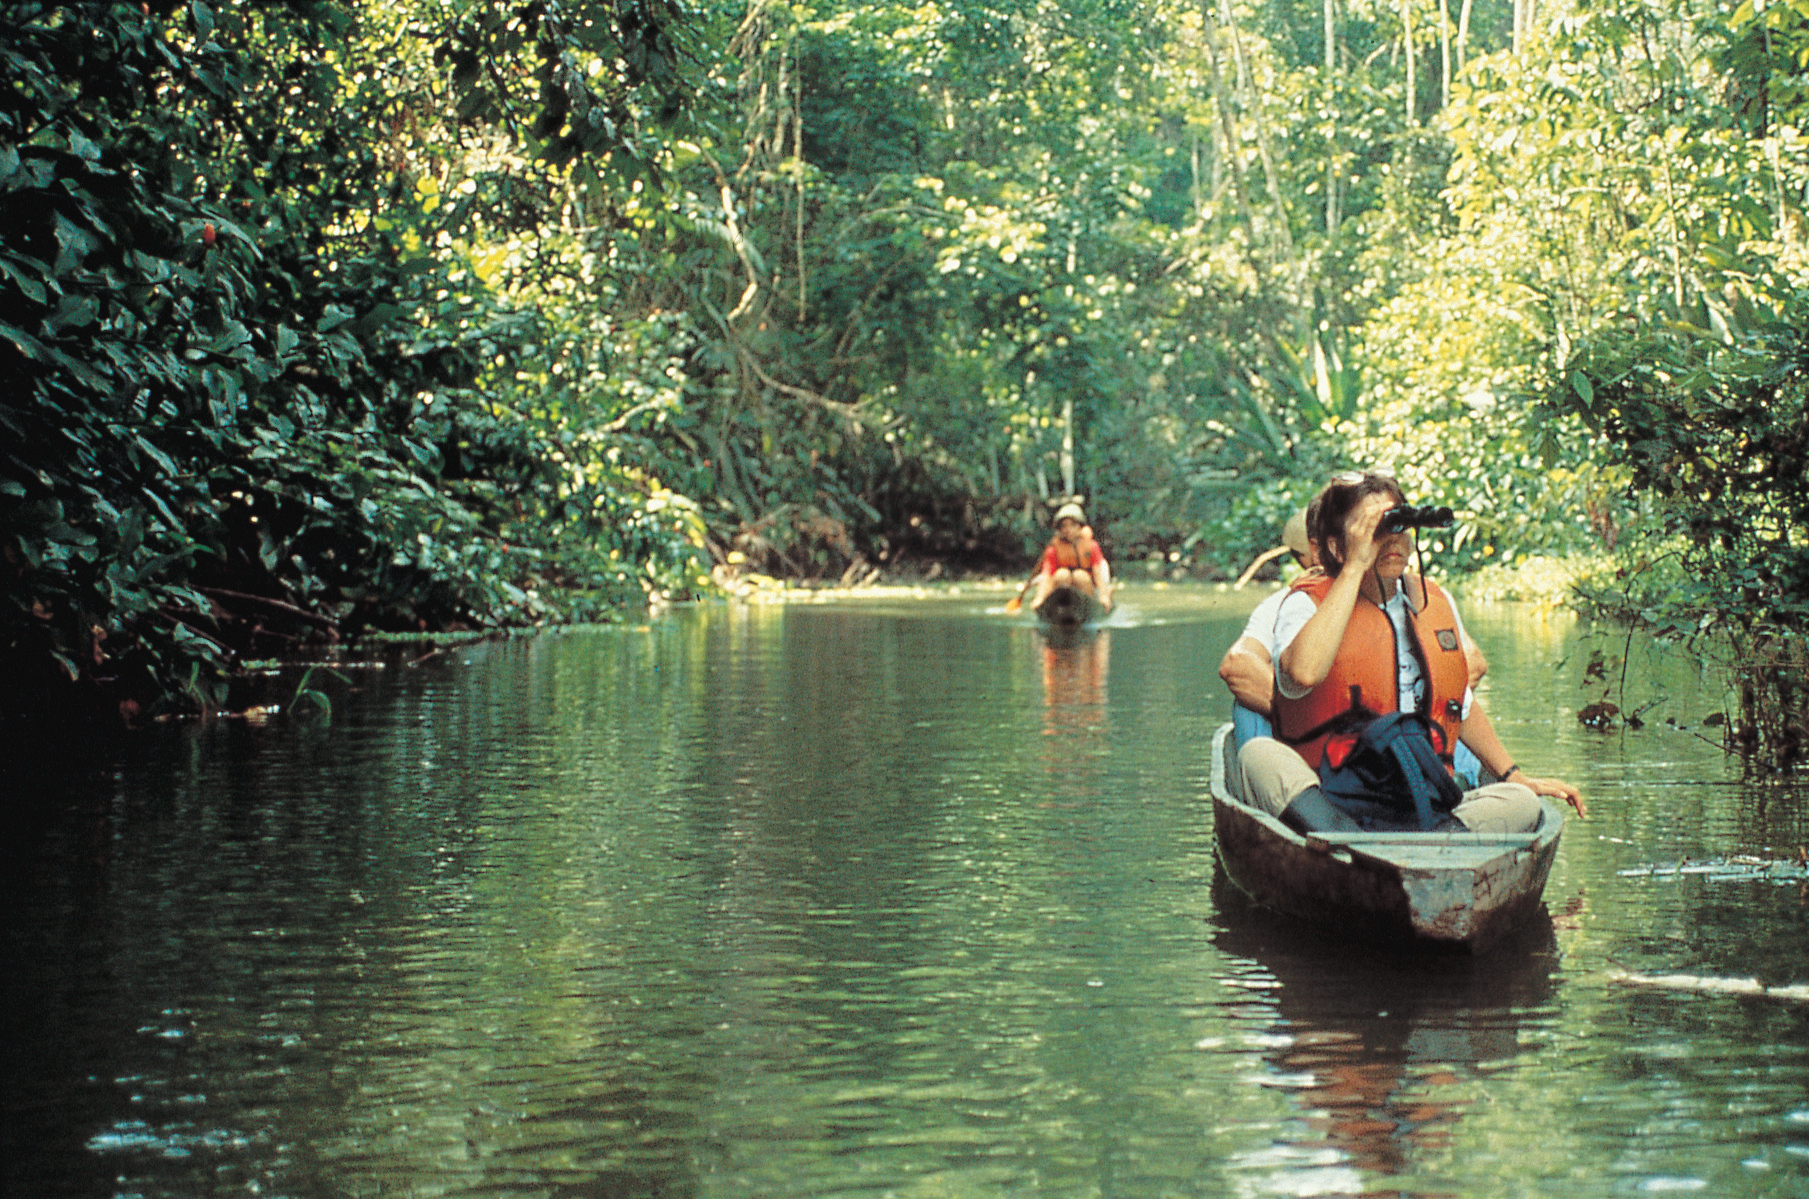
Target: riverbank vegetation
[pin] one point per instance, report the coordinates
(330, 317)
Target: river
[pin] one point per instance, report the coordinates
(876, 897)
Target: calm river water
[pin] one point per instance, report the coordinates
(884, 897)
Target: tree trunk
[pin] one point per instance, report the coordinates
(1444, 52)
(1525, 12)
(1407, 41)
(1332, 217)
(1331, 39)
(1199, 190)
(1068, 446)
(1221, 104)
(1283, 239)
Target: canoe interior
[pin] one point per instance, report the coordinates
(1450, 890)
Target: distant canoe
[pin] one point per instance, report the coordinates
(1453, 890)
(1067, 608)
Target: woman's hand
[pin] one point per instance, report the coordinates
(1557, 789)
(1361, 545)
(1478, 733)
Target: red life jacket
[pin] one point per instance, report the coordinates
(1364, 675)
(1073, 555)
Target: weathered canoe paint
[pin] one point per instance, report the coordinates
(1066, 608)
(1456, 890)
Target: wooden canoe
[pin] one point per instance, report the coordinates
(1067, 608)
(1461, 891)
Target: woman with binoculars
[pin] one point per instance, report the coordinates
(1366, 638)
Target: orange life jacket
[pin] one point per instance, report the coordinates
(1364, 676)
(1074, 555)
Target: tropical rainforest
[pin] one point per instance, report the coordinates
(322, 317)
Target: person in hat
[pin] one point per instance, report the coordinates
(1248, 667)
(1074, 559)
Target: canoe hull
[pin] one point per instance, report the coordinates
(1462, 891)
(1067, 608)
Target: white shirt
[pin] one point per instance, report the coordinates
(1260, 628)
(1298, 608)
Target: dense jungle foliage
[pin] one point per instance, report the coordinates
(326, 316)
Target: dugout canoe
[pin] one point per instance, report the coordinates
(1067, 608)
(1459, 891)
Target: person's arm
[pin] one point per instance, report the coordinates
(1308, 659)
(1044, 578)
(1309, 656)
(1478, 733)
(1249, 674)
(1045, 583)
(1017, 601)
(1474, 658)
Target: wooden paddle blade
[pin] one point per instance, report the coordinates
(1014, 603)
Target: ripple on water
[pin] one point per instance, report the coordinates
(899, 902)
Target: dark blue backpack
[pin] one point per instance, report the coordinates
(1389, 775)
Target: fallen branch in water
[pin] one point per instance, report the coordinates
(284, 606)
(1704, 984)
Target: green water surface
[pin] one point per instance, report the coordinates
(885, 897)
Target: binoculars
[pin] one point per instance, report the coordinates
(1402, 517)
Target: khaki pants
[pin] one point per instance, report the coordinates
(1274, 777)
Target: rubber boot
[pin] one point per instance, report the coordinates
(1312, 812)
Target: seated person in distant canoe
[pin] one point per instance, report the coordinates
(1355, 638)
(1248, 667)
(1074, 559)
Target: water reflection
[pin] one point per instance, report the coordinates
(1075, 729)
(891, 898)
(1383, 1053)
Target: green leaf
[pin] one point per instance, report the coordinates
(163, 460)
(73, 311)
(1579, 383)
(29, 281)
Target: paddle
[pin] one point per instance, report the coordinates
(1017, 601)
(1265, 556)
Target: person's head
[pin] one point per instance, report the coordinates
(1070, 519)
(1294, 536)
(1335, 505)
(1312, 537)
